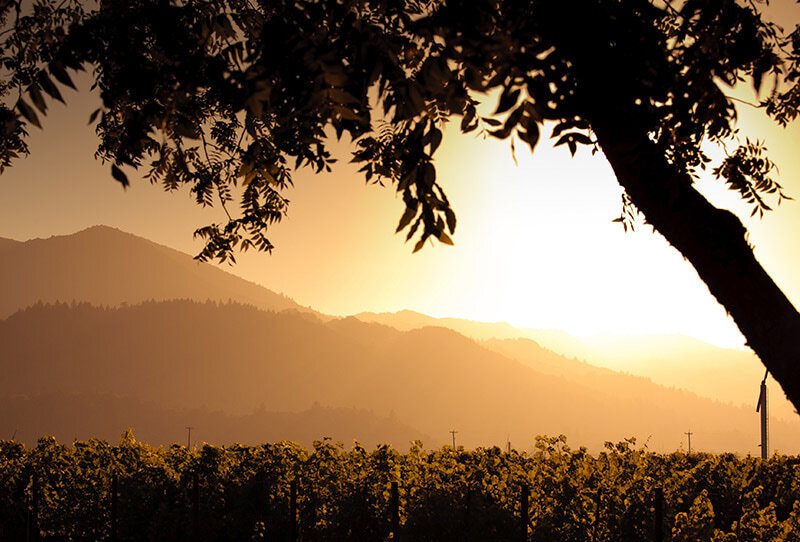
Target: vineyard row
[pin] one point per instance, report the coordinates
(92, 490)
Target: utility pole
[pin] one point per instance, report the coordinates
(762, 407)
(453, 432)
(689, 434)
(189, 437)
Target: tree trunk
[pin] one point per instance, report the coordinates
(714, 241)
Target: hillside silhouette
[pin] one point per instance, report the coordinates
(723, 374)
(108, 267)
(232, 358)
(69, 417)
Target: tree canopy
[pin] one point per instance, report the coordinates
(229, 97)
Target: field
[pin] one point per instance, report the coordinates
(92, 490)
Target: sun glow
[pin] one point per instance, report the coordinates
(538, 248)
(535, 243)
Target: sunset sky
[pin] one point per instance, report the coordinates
(535, 243)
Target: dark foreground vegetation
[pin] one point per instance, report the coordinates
(92, 490)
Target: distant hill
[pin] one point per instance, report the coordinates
(673, 360)
(8, 243)
(183, 355)
(552, 339)
(727, 375)
(108, 267)
(71, 417)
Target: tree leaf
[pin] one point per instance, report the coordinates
(37, 99)
(48, 86)
(502, 133)
(444, 238)
(450, 216)
(119, 176)
(94, 114)
(28, 112)
(583, 139)
(60, 73)
(508, 99)
(407, 217)
(436, 139)
(514, 118)
(531, 134)
(465, 120)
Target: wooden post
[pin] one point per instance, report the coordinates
(293, 511)
(762, 407)
(597, 510)
(395, 511)
(195, 507)
(114, 504)
(523, 512)
(658, 515)
(33, 511)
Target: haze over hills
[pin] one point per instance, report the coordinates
(727, 375)
(69, 417)
(108, 267)
(7, 243)
(244, 372)
(183, 355)
(552, 339)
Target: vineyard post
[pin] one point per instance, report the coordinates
(195, 507)
(114, 508)
(265, 508)
(395, 511)
(293, 511)
(658, 519)
(467, 513)
(523, 511)
(33, 510)
(762, 407)
(597, 510)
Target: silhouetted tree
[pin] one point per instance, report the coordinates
(227, 96)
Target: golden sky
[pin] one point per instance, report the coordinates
(535, 243)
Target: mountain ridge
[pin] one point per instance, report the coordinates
(249, 336)
(671, 360)
(234, 358)
(107, 266)
(69, 417)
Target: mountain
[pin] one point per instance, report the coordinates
(552, 339)
(672, 360)
(69, 417)
(8, 243)
(105, 266)
(236, 359)
(726, 375)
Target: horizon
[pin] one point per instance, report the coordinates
(672, 362)
(231, 269)
(539, 376)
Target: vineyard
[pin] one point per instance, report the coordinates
(95, 491)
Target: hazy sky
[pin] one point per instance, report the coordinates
(535, 243)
